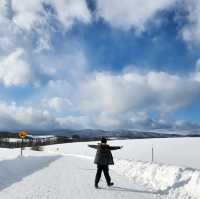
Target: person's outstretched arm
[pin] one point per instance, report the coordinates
(115, 147)
(92, 146)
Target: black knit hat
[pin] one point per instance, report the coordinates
(103, 140)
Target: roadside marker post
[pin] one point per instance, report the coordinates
(152, 154)
(22, 135)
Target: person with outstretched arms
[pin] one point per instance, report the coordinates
(103, 159)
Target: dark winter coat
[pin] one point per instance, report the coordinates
(103, 154)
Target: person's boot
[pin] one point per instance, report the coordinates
(110, 184)
(96, 186)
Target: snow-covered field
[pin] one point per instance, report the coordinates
(175, 151)
(67, 170)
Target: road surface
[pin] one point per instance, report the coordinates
(72, 177)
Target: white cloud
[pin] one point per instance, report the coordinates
(156, 91)
(75, 122)
(20, 117)
(73, 65)
(58, 104)
(15, 117)
(5, 6)
(14, 69)
(59, 88)
(8, 31)
(196, 73)
(70, 11)
(85, 98)
(191, 30)
(131, 13)
(187, 126)
(27, 14)
(138, 14)
(26, 22)
(123, 100)
(105, 120)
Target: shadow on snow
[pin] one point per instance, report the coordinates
(12, 171)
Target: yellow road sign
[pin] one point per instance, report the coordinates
(23, 134)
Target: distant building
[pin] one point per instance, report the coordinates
(30, 140)
(42, 138)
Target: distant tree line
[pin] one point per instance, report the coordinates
(11, 140)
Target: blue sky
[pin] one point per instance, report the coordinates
(100, 64)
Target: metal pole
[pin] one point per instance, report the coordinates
(152, 155)
(22, 146)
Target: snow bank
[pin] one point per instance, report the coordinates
(14, 170)
(6, 154)
(169, 181)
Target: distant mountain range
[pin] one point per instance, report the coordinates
(97, 133)
(121, 133)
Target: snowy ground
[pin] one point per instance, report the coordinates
(176, 151)
(71, 177)
(67, 171)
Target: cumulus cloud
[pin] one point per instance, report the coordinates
(20, 117)
(71, 10)
(191, 30)
(9, 33)
(14, 69)
(58, 104)
(26, 29)
(32, 20)
(136, 91)
(138, 14)
(28, 15)
(75, 122)
(186, 126)
(25, 14)
(131, 13)
(123, 100)
(73, 65)
(108, 101)
(86, 98)
(16, 117)
(196, 73)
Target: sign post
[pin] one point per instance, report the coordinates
(22, 135)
